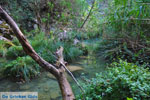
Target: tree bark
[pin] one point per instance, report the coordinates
(57, 72)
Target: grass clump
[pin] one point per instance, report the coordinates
(23, 68)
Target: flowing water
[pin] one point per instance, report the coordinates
(47, 86)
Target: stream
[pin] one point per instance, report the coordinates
(47, 86)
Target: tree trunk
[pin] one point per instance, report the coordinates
(57, 72)
(67, 93)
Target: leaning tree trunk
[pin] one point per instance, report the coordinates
(65, 87)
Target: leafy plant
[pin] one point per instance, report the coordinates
(23, 68)
(122, 81)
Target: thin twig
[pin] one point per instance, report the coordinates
(73, 77)
(88, 14)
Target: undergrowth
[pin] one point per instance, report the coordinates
(21, 69)
(126, 32)
(20, 66)
(123, 81)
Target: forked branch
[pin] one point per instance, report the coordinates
(65, 87)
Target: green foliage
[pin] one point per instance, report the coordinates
(20, 66)
(23, 68)
(126, 34)
(15, 51)
(47, 47)
(20, 11)
(71, 52)
(127, 15)
(95, 16)
(91, 27)
(3, 48)
(122, 81)
(113, 49)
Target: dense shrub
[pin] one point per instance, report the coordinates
(23, 68)
(124, 80)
